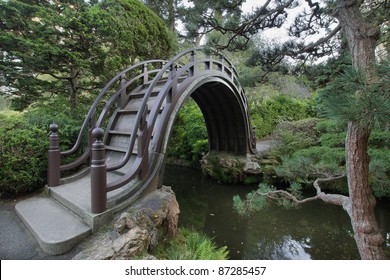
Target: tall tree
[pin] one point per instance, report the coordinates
(165, 9)
(69, 46)
(359, 23)
(43, 38)
(197, 13)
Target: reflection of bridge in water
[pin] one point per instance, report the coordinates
(127, 130)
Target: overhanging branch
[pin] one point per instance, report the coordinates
(309, 48)
(335, 199)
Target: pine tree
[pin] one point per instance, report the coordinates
(359, 22)
(66, 47)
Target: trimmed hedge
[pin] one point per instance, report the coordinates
(23, 155)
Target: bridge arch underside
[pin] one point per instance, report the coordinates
(224, 116)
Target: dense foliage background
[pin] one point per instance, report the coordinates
(55, 57)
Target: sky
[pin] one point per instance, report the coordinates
(279, 34)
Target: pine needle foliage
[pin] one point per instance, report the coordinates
(258, 199)
(351, 97)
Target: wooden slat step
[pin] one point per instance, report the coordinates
(118, 132)
(116, 149)
(124, 111)
(141, 94)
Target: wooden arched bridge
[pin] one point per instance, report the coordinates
(120, 151)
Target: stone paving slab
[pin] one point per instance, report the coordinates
(56, 229)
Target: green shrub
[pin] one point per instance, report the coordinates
(379, 139)
(302, 162)
(267, 112)
(294, 136)
(24, 142)
(380, 172)
(58, 110)
(290, 142)
(334, 140)
(326, 125)
(23, 156)
(189, 140)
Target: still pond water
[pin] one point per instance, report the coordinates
(314, 231)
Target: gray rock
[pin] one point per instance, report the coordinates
(137, 230)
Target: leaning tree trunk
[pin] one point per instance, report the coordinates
(362, 38)
(368, 237)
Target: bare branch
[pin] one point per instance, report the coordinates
(336, 199)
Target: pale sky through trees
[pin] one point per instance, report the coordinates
(276, 34)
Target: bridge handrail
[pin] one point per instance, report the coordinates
(143, 105)
(233, 77)
(154, 111)
(89, 119)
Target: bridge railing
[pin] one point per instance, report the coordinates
(114, 92)
(185, 64)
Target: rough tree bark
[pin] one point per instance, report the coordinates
(362, 38)
(368, 237)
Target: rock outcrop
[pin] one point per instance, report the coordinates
(228, 168)
(137, 230)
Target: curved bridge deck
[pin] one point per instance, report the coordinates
(127, 131)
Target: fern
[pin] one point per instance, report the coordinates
(194, 246)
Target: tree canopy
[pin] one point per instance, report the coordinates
(69, 46)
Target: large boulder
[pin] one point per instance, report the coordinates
(138, 229)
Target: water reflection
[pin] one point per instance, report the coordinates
(287, 249)
(314, 231)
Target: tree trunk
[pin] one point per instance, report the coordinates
(73, 80)
(362, 38)
(171, 16)
(368, 237)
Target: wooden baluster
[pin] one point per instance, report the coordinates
(54, 157)
(98, 173)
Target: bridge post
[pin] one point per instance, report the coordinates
(122, 95)
(173, 91)
(192, 68)
(98, 173)
(91, 124)
(207, 65)
(142, 149)
(145, 72)
(54, 157)
(220, 66)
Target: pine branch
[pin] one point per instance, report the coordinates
(336, 199)
(309, 48)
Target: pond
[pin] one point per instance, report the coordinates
(315, 231)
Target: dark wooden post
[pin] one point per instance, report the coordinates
(220, 65)
(98, 173)
(145, 72)
(122, 95)
(54, 157)
(192, 68)
(142, 149)
(173, 90)
(207, 65)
